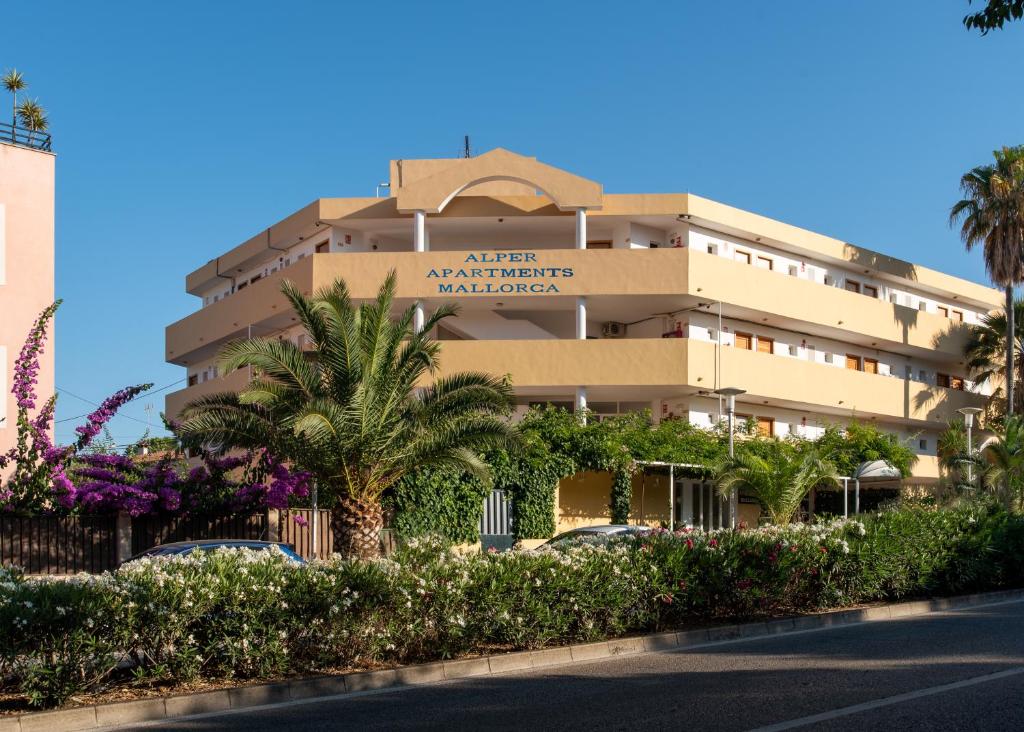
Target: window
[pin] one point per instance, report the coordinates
(853, 286)
(764, 262)
(193, 379)
(956, 382)
(241, 286)
(257, 278)
(322, 247)
(766, 426)
(742, 419)
(742, 256)
(742, 340)
(853, 362)
(599, 245)
(765, 345)
(942, 380)
(958, 316)
(871, 291)
(870, 366)
(922, 444)
(943, 311)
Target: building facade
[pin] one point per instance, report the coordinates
(615, 302)
(26, 260)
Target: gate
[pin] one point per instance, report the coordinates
(496, 522)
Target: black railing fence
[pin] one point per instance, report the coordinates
(34, 139)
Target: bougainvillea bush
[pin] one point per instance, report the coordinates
(75, 478)
(251, 615)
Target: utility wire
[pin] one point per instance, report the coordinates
(126, 416)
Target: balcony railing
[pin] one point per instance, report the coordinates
(34, 139)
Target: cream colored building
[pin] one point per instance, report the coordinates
(26, 261)
(616, 301)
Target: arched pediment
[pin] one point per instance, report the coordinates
(433, 193)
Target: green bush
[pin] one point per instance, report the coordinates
(255, 614)
(442, 502)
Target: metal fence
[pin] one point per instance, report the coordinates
(59, 545)
(496, 521)
(34, 139)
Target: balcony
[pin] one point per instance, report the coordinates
(34, 139)
(653, 368)
(669, 278)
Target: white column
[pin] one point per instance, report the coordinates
(581, 318)
(420, 231)
(581, 228)
(581, 402)
(419, 245)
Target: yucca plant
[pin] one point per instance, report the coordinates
(33, 117)
(14, 82)
(778, 475)
(359, 410)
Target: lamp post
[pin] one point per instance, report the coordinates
(969, 414)
(731, 392)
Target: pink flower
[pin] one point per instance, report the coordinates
(300, 520)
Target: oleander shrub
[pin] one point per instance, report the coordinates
(243, 614)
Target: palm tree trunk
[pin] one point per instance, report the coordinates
(1011, 339)
(356, 525)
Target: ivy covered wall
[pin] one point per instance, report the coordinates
(557, 445)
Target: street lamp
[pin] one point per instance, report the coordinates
(969, 413)
(732, 392)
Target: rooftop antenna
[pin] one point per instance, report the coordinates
(466, 151)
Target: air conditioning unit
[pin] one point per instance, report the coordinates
(613, 330)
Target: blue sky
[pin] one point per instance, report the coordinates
(184, 128)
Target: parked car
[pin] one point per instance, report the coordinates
(603, 530)
(209, 545)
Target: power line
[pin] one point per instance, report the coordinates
(126, 416)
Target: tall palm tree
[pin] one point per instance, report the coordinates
(14, 82)
(33, 117)
(992, 214)
(778, 475)
(1004, 453)
(985, 351)
(355, 410)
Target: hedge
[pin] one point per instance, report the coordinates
(252, 615)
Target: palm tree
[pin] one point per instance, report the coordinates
(1004, 453)
(985, 351)
(355, 410)
(33, 117)
(992, 214)
(778, 475)
(14, 82)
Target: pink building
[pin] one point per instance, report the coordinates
(26, 260)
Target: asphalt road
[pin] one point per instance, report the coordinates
(957, 670)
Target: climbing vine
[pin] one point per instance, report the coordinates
(557, 445)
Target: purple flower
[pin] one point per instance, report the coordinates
(300, 520)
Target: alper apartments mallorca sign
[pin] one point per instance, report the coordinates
(499, 273)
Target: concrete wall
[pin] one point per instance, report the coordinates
(26, 267)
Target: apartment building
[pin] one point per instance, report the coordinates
(26, 258)
(615, 302)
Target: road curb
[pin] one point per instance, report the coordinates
(243, 697)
